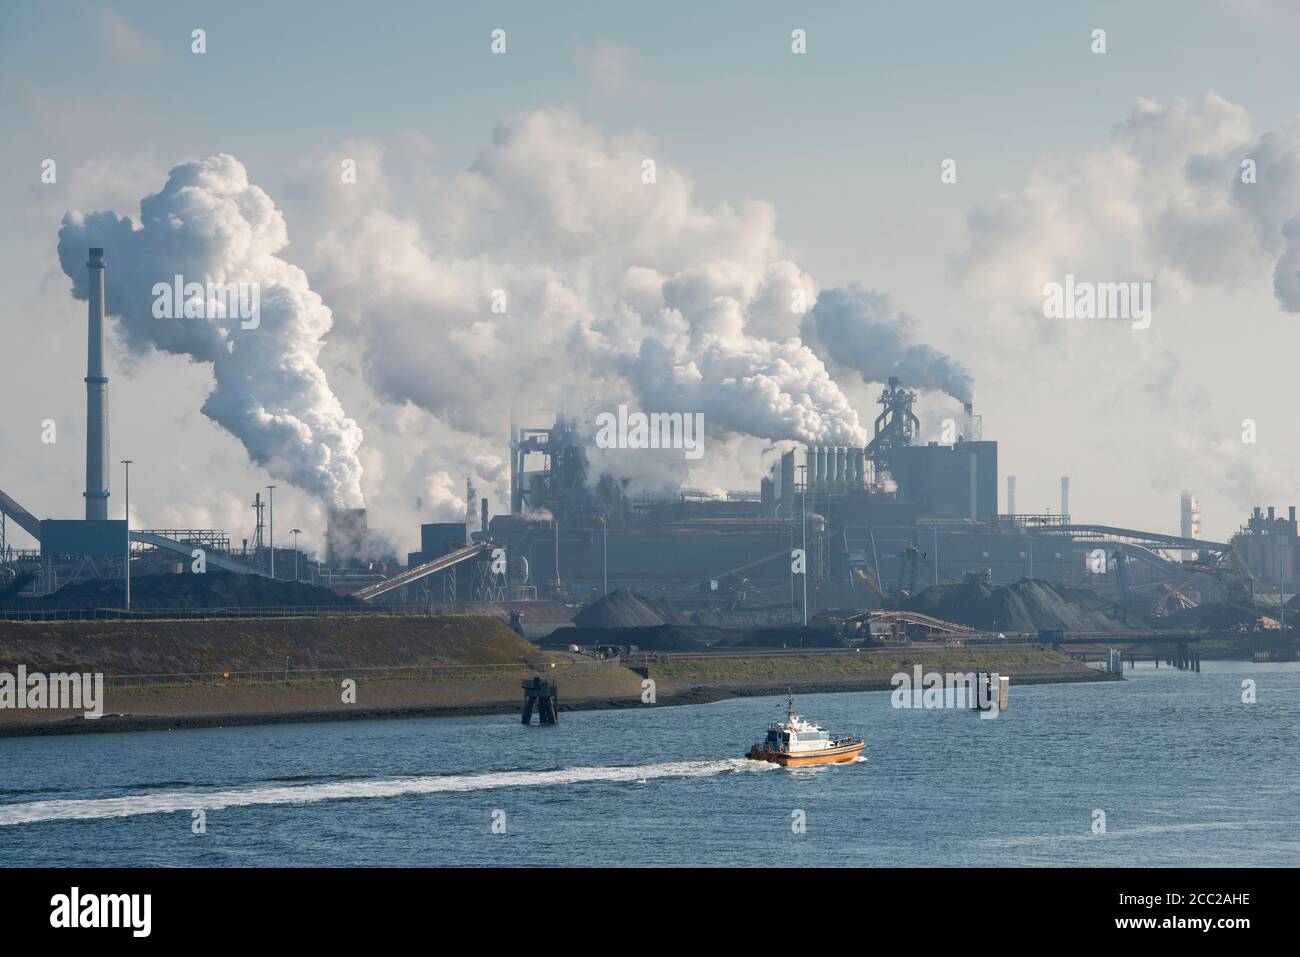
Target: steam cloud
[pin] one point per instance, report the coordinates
(1170, 198)
(857, 329)
(618, 290)
(209, 224)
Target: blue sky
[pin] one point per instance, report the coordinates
(886, 89)
(845, 143)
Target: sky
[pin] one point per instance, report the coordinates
(522, 171)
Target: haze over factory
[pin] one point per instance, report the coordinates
(872, 524)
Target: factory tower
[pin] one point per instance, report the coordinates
(96, 397)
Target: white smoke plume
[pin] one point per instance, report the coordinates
(857, 329)
(617, 290)
(209, 224)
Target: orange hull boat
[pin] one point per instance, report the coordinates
(840, 755)
(796, 743)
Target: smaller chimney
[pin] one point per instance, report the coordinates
(483, 515)
(469, 510)
(1065, 496)
(1011, 495)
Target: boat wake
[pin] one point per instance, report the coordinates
(169, 802)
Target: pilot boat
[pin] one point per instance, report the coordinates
(794, 742)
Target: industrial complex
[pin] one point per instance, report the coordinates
(828, 528)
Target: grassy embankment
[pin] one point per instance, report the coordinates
(443, 665)
(226, 671)
(868, 665)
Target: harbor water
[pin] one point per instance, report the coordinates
(1166, 768)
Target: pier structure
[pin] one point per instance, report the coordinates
(544, 696)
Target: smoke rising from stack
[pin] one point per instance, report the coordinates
(856, 329)
(209, 224)
(615, 291)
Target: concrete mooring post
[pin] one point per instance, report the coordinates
(992, 687)
(544, 696)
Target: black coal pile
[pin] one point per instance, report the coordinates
(745, 616)
(215, 589)
(1026, 605)
(1218, 616)
(625, 609)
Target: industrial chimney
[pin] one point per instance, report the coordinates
(96, 397)
(1065, 496)
(1011, 495)
(469, 511)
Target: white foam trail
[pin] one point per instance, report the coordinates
(169, 802)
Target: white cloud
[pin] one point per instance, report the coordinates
(1163, 201)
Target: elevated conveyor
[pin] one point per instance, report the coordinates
(187, 548)
(439, 564)
(28, 522)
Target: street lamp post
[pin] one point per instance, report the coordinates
(296, 532)
(271, 503)
(127, 567)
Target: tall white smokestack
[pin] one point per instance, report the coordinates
(96, 396)
(469, 511)
(1065, 496)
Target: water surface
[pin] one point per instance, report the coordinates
(1185, 773)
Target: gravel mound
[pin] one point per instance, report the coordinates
(625, 609)
(1025, 605)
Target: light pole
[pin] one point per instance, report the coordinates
(803, 501)
(271, 503)
(604, 526)
(296, 533)
(127, 567)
